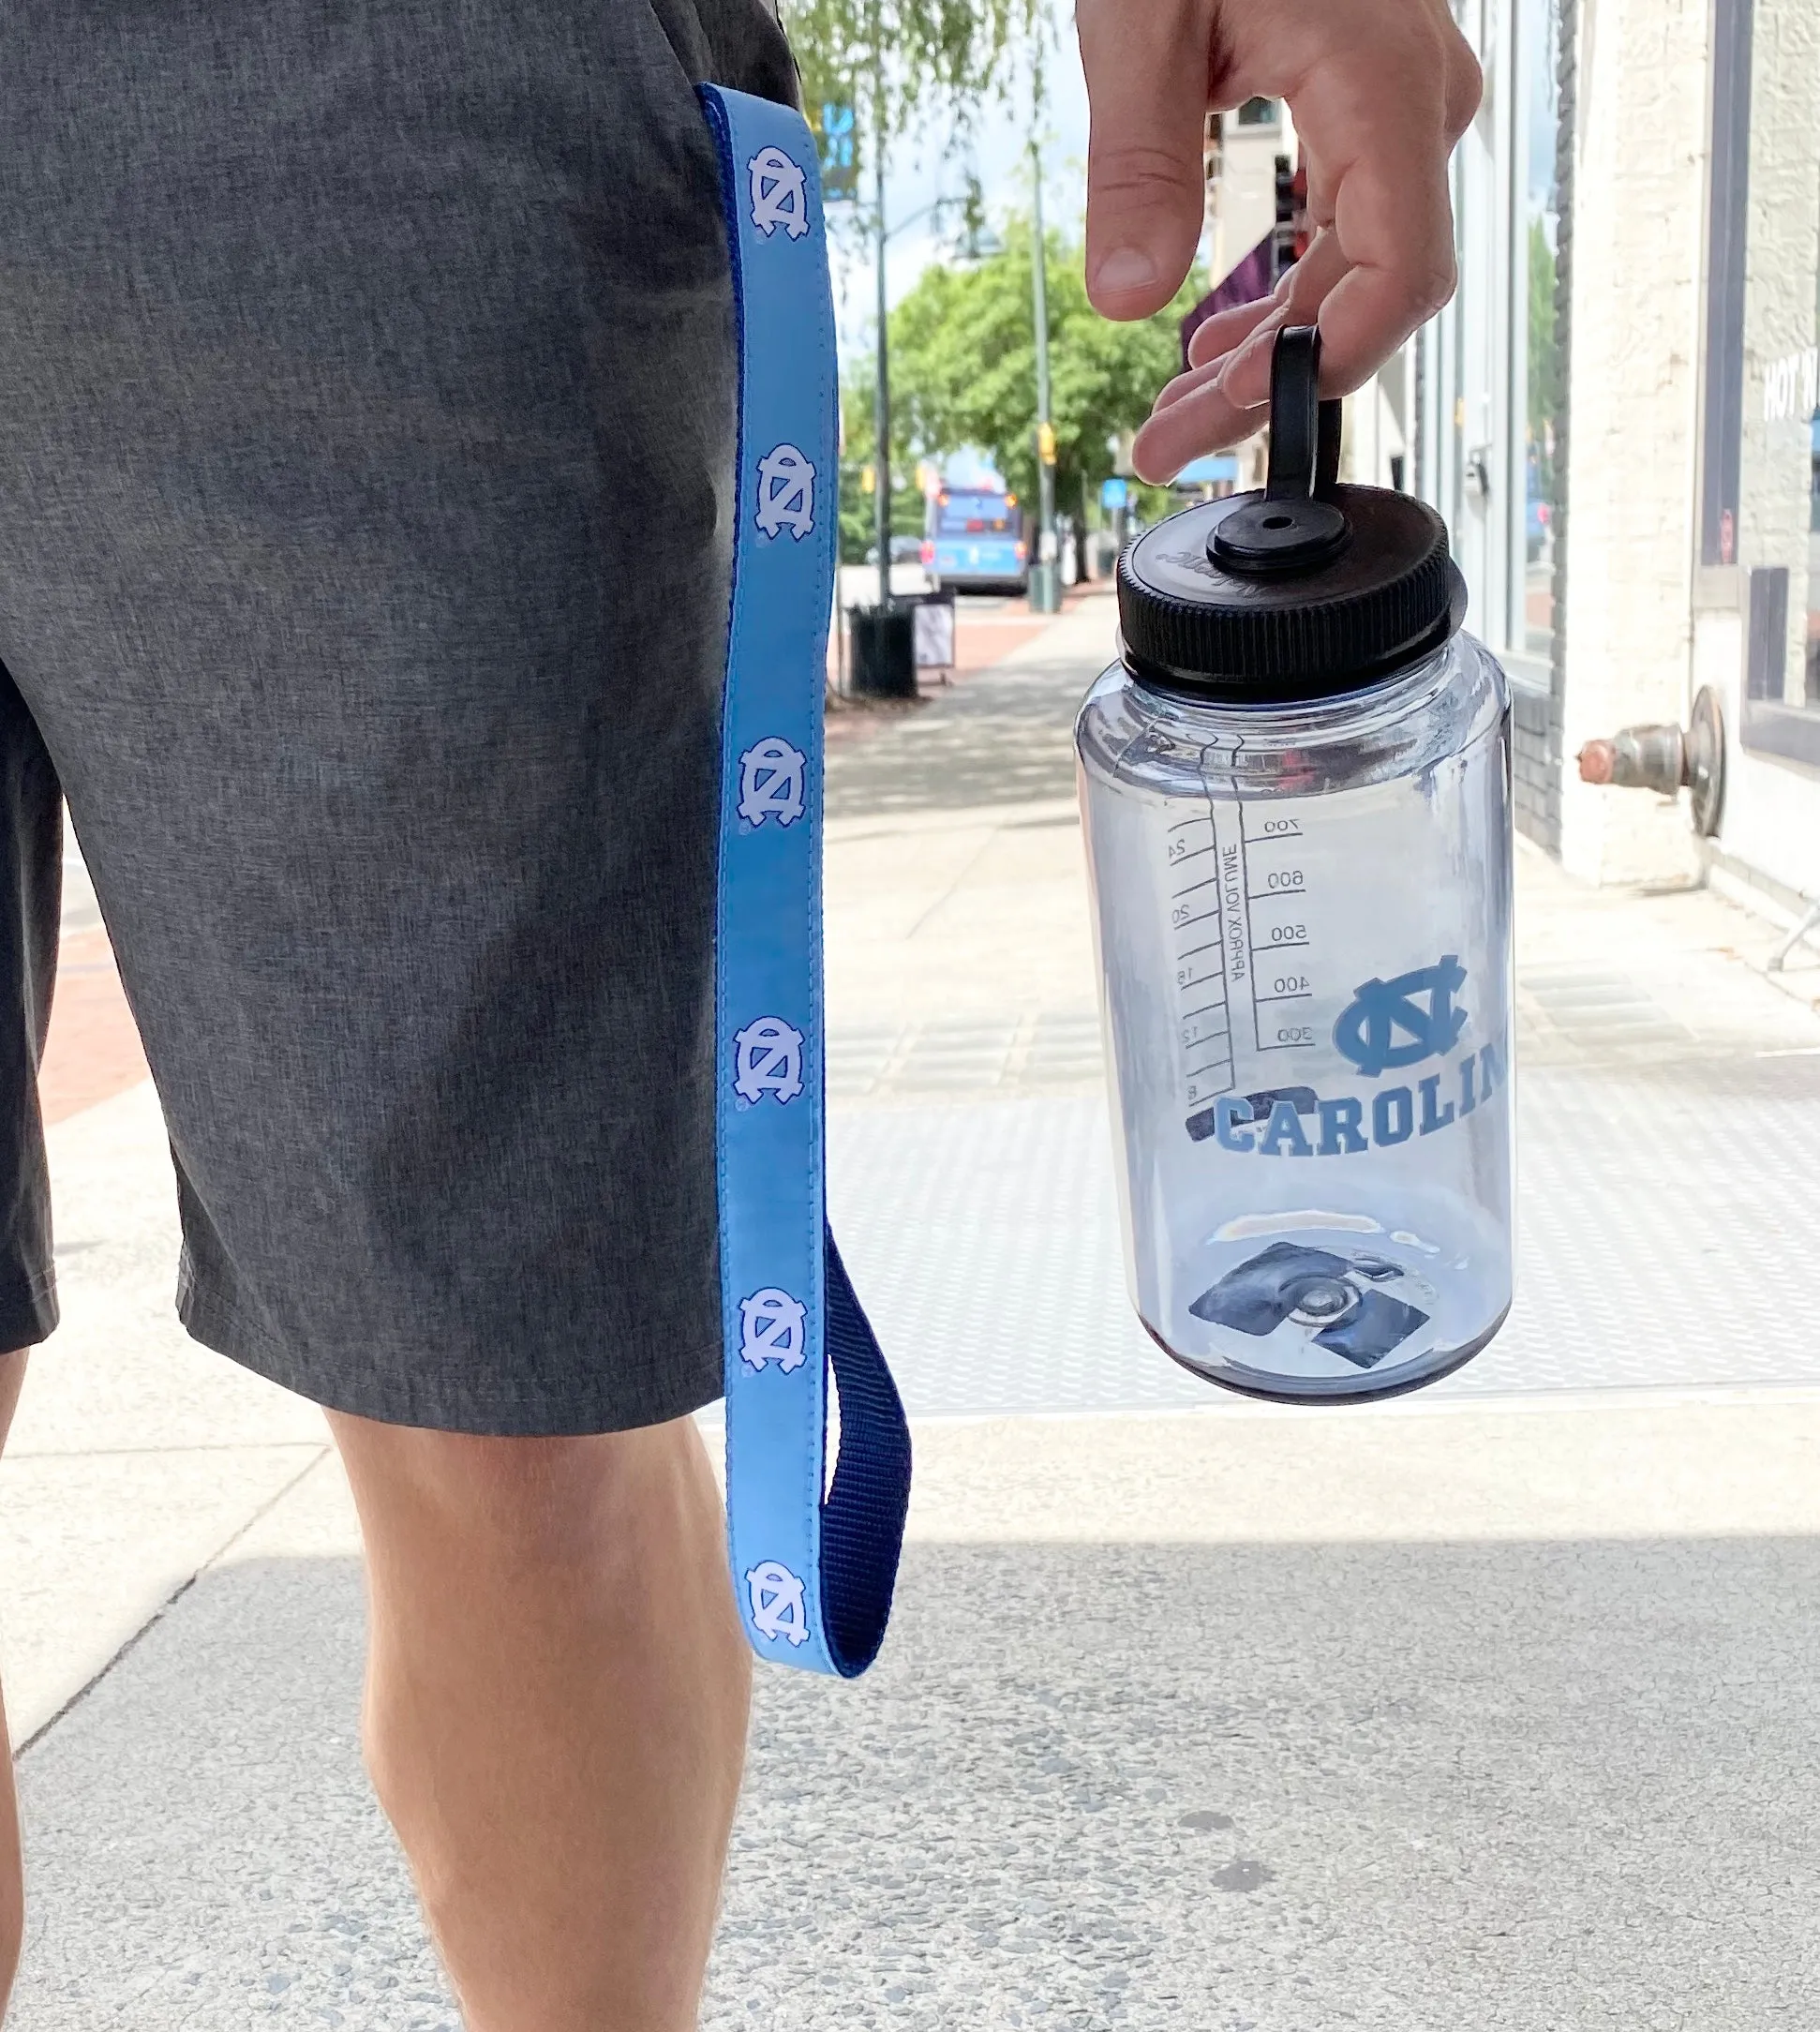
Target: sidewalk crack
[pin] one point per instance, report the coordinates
(170, 1602)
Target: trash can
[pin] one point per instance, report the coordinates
(884, 652)
(1045, 588)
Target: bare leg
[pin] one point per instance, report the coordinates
(12, 1890)
(556, 1712)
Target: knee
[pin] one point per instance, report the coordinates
(13, 1380)
(544, 1500)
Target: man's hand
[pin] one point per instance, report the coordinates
(1380, 91)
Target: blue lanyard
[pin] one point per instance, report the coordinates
(814, 1560)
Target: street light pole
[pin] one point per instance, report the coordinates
(882, 393)
(1041, 595)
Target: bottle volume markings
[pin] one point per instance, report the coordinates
(1240, 927)
(1279, 908)
(1197, 917)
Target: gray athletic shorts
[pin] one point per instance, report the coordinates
(366, 437)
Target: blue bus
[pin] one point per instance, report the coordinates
(973, 541)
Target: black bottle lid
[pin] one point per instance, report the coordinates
(1303, 591)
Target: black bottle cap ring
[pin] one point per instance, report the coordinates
(1302, 591)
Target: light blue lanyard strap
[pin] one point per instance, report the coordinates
(815, 1559)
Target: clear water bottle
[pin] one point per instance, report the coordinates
(1295, 787)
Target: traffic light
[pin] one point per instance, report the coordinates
(1046, 442)
(869, 479)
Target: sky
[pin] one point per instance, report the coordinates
(918, 174)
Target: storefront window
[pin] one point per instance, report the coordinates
(1810, 397)
(1541, 33)
(1760, 504)
(1776, 531)
(1491, 395)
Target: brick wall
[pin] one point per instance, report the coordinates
(1536, 743)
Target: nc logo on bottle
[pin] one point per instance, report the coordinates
(1391, 1023)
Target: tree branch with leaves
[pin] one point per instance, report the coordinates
(963, 349)
(899, 62)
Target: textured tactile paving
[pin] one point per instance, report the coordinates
(1038, 1051)
(1665, 1239)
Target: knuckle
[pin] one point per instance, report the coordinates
(1438, 67)
(1134, 174)
(1465, 84)
(1432, 277)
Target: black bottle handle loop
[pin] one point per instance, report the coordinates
(1305, 431)
(1296, 525)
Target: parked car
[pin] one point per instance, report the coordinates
(904, 550)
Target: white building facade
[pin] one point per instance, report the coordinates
(1618, 413)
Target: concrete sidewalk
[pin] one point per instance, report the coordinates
(1488, 1707)
(1399, 1721)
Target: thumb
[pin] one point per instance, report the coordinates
(1147, 68)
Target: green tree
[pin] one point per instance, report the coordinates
(896, 62)
(893, 64)
(964, 356)
(858, 432)
(1547, 389)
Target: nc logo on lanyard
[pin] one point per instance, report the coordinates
(777, 1605)
(769, 1061)
(786, 493)
(771, 782)
(770, 1329)
(780, 195)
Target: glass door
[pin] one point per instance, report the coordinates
(1479, 472)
